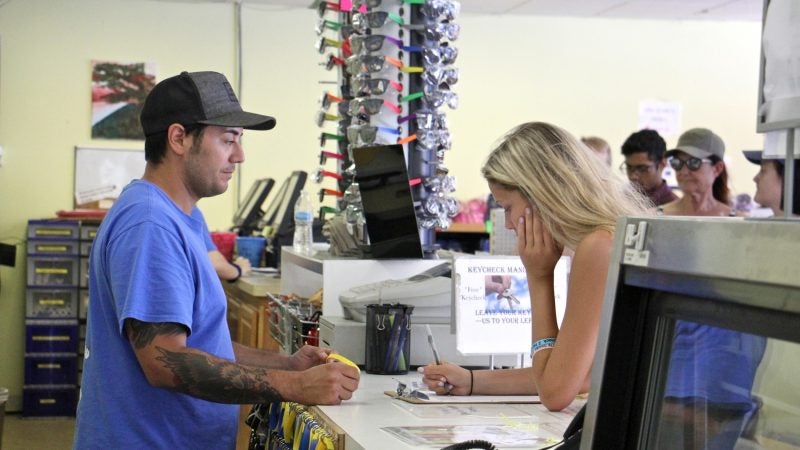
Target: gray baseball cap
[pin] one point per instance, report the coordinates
(700, 143)
(197, 98)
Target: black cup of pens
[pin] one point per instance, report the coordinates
(388, 339)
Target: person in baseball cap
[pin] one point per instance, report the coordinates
(157, 339)
(193, 100)
(699, 168)
(769, 182)
(699, 143)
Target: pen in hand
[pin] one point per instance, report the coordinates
(447, 386)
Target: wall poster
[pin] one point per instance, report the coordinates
(118, 93)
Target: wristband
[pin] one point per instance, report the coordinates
(238, 273)
(542, 344)
(471, 381)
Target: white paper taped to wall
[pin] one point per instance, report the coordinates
(101, 174)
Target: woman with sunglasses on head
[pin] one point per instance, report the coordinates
(556, 195)
(701, 174)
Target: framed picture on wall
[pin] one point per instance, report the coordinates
(118, 93)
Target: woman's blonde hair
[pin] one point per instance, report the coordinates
(572, 190)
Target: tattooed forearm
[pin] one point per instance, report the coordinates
(141, 334)
(218, 380)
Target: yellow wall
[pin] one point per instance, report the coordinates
(587, 75)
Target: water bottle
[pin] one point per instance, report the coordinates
(303, 221)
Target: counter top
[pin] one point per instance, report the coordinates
(373, 420)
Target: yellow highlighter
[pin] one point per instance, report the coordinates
(342, 359)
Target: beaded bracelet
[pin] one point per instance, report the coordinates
(542, 344)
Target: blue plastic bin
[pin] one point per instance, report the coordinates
(251, 248)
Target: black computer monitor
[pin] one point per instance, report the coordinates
(388, 206)
(247, 217)
(691, 305)
(278, 219)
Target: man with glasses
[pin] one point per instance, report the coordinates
(644, 153)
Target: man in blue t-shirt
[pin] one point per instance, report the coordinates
(161, 371)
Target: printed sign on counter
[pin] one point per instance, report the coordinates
(493, 304)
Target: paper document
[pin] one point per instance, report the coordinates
(445, 399)
(512, 435)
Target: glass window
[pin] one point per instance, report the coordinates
(729, 390)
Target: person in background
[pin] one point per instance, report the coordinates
(160, 370)
(769, 182)
(744, 205)
(555, 195)
(707, 397)
(229, 271)
(600, 147)
(645, 160)
(700, 170)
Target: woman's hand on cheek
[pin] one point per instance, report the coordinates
(526, 240)
(537, 249)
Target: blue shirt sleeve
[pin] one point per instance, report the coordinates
(157, 285)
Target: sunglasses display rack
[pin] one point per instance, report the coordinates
(394, 63)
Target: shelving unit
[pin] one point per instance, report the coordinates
(51, 319)
(55, 314)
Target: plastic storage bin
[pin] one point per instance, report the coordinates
(51, 369)
(49, 401)
(51, 336)
(53, 229)
(53, 248)
(52, 271)
(88, 232)
(42, 303)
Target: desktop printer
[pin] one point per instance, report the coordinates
(429, 292)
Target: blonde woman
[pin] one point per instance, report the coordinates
(556, 194)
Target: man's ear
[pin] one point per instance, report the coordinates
(178, 141)
(661, 165)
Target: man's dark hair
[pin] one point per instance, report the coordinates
(645, 141)
(155, 145)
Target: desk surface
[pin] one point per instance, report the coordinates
(367, 416)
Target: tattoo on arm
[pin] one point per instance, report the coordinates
(217, 380)
(141, 334)
(200, 374)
